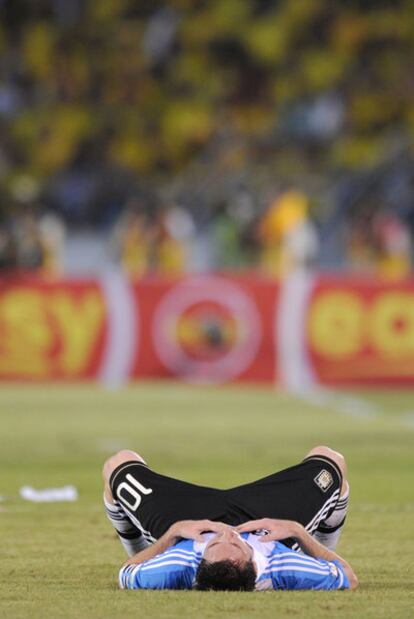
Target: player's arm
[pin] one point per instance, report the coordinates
(183, 529)
(282, 529)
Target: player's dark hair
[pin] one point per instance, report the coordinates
(225, 576)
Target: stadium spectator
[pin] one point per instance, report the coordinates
(379, 243)
(29, 242)
(52, 233)
(92, 99)
(394, 246)
(176, 237)
(289, 239)
(361, 255)
(133, 241)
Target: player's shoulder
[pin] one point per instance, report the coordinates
(279, 548)
(184, 544)
(183, 552)
(174, 568)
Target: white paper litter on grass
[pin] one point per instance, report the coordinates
(49, 495)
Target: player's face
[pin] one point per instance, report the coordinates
(228, 545)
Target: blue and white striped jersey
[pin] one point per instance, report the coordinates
(278, 567)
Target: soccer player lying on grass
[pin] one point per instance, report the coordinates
(209, 555)
(148, 509)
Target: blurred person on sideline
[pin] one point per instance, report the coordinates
(133, 240)
(287, 235)
(360, 247)
(176, 236)
(31, 251)
(394, 246)
(39, 234)
(52, 233)
(180, 535)
(230, 232)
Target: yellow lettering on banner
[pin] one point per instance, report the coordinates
(25, 335)
(392, 324)
(336, 324)
(79, 321)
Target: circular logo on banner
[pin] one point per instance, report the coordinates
(206, 329)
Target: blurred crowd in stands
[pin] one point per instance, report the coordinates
(208, 134)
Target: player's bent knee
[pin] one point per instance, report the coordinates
(125, 455)
(338, 458)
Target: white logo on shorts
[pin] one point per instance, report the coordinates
(324, 480)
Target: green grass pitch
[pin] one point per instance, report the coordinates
(61, 560)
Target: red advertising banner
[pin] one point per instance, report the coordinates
(206, 329)
(209, 329)
(361, 332)
(50, 330)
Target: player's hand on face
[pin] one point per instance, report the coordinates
(193, 529)
(275, 529)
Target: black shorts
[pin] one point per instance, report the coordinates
(306, 493)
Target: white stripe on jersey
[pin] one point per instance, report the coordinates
(171, 557)
(183, 551)
(299, 561)
(299, 569)
(125, 574)
(341, 579)
(151, 566)
(296, 557)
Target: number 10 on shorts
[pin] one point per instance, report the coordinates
(134, 489)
